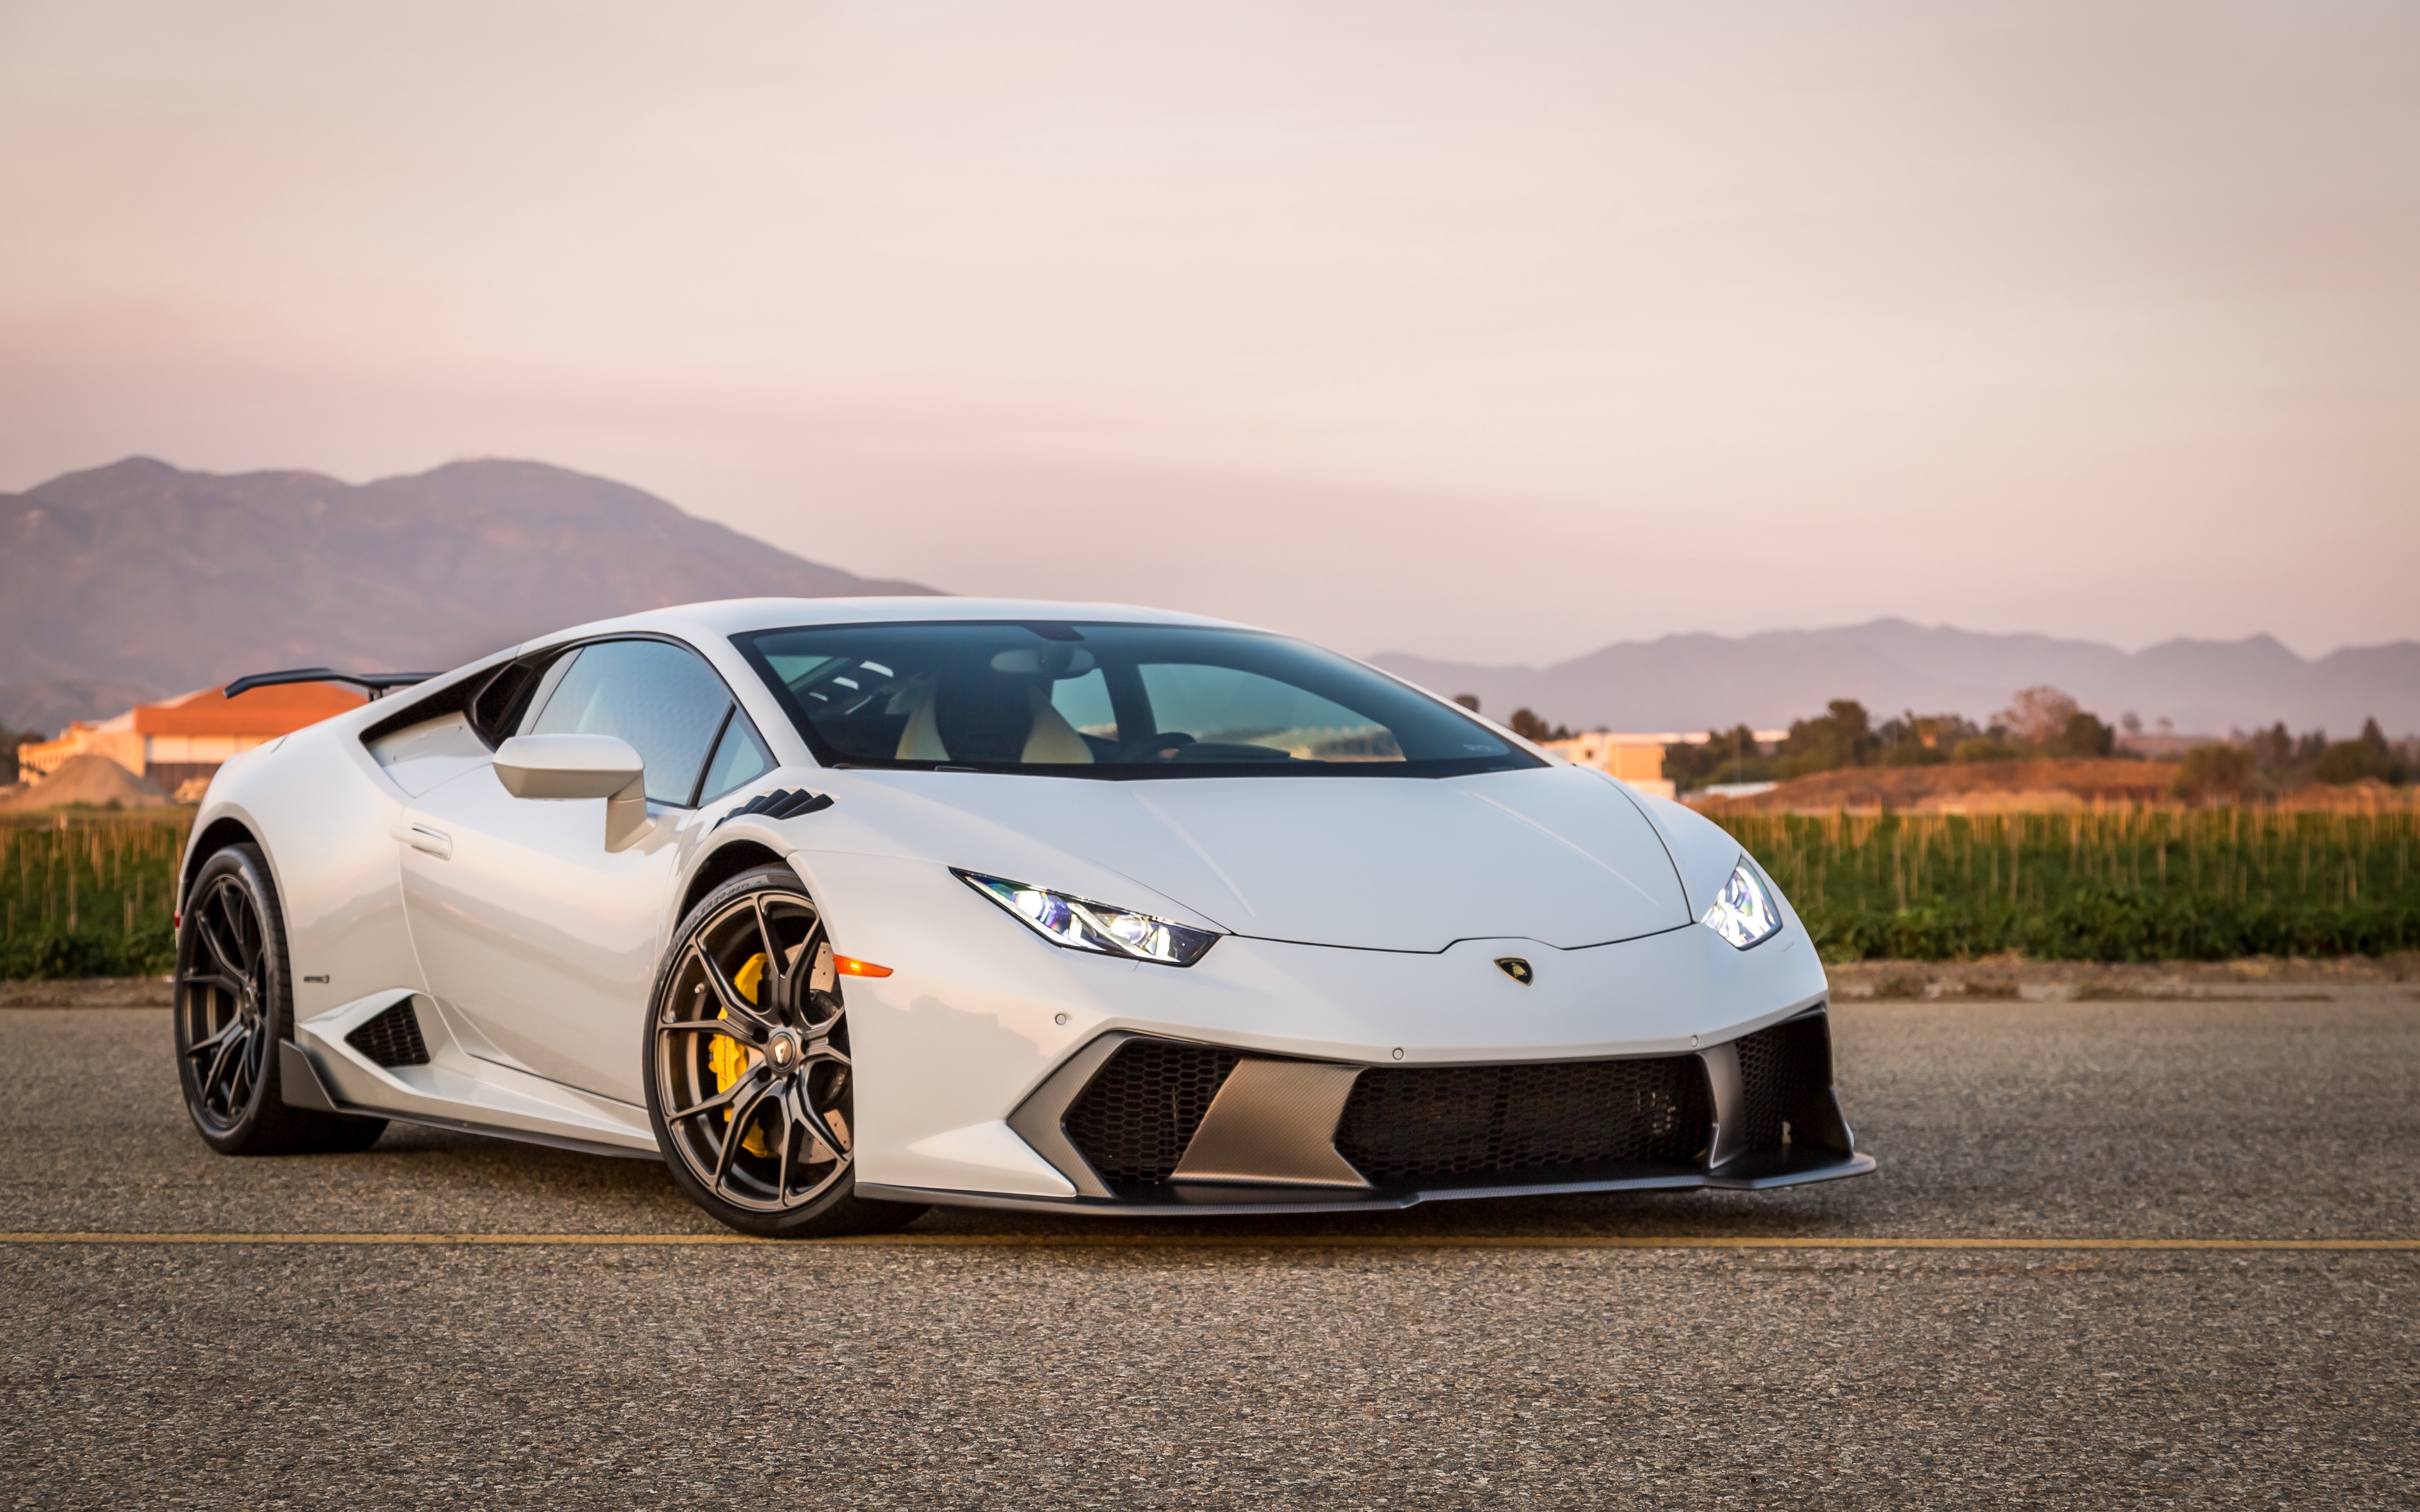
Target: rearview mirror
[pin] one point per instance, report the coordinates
(581, 766)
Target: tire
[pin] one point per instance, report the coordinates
(757, 1115)
(235, 1003)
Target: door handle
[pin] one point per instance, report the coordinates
(421, 838)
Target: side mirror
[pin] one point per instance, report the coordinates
(581, 766)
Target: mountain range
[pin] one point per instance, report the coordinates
(1686, 683)
(140, 579)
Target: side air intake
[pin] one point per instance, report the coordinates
(1786, 1082)
(1133, 1119)
(392, 1038)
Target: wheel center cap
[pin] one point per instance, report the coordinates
(783, 1050)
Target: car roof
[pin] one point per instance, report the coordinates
(735, 616)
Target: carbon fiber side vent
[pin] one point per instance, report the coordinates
(392, 1038)
(781, 802)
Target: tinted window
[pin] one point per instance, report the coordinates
(666, 702)
(740, 757)
(1224, 707)
(1118, 701)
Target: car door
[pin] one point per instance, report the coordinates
(532, 933)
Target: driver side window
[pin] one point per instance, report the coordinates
(664, 699)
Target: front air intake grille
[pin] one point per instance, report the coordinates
(1133, 1120)
(1523, 1121)
(392, 1038)
(1787, 1076)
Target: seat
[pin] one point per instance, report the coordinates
(983, 718)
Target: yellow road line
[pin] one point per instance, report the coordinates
(1405, 1242)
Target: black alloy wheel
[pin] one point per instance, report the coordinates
(749, 1085)
(234, 1003)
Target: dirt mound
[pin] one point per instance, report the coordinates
(87, 778)
(1969, 787)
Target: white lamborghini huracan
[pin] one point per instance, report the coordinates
(842, 908)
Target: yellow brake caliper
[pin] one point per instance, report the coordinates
(729, 1057)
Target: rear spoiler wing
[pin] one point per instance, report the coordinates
(375, 683)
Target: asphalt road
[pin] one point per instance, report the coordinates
(1460, 1354)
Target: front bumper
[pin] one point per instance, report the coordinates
(1146, 1126)
(954, 1050)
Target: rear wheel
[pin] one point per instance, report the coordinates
(234, 1004)
(749, 1085)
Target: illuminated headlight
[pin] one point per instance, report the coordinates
(1744, 911)
(1081, 924)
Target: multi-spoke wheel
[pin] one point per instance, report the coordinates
(748, 1078)
(233, 1006)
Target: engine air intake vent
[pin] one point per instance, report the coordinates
(1525, 1121)
(392, 1038)
(1133, 1119)
(1787, 1073)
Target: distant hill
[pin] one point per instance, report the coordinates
(1696, 681)
(139, 579)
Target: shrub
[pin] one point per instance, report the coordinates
(2210, 772)
(1982, 749)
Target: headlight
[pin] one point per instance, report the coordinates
(1743, 912)
(1081, 924)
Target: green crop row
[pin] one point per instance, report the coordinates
(2120, 883)
(86, 895)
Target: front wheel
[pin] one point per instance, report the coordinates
(750, 1086)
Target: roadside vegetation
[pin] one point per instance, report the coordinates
(89, 894)
(2125, 883)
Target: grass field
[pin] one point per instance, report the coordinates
(89, 894)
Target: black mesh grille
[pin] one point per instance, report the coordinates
(1788, 1072)
(1136, 1115)
(1430, 1122)
(392, 1038)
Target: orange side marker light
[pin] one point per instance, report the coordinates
(851, 966)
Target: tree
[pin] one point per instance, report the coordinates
(2214, 771)
(1468, 701)
(9, 741)
(2040, 715)
(2272, 750)
(1843, 737)
(1724, 756)
(1530, 727)
(2367, 756)
(2081, 736)
(1916, 739)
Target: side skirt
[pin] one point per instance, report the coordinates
(429, 1077)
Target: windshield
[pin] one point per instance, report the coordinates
(1110, 701)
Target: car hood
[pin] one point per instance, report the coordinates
(1557, 855)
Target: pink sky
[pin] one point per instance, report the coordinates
(1493, 331)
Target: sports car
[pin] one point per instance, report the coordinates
(843, 908)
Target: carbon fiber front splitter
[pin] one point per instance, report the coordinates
(1203, 1199)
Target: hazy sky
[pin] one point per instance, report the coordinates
(1489, 330)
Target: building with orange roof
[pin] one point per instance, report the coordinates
(179, 740)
